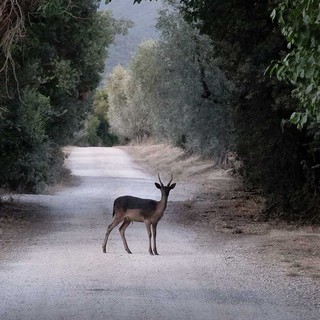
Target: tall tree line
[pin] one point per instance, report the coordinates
(227, 77)
(52, 54)
(173, 90)
(277, 122)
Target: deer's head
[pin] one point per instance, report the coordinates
(165, 190)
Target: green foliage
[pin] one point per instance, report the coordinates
(97, 126)
(66, 77)
(92, 128)
(173, 90)
(49, 75)
(299, 21)
(26, 159)
(34, 114)
(194, 88)
(118, 113)
(300, 24)
(246, 42)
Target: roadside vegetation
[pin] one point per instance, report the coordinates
(226, 79)
(52, 54)
(232, 78)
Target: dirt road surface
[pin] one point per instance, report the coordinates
(60, 272)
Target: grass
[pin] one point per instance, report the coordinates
(167, 159)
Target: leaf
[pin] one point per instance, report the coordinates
(273, 14)
(295, 118)
(309, 88)
(304, 120)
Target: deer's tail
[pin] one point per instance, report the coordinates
(114, 210)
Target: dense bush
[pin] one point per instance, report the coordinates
(97, 128)
(276, 158)
(52, 54)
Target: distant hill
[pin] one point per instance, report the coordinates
(144, 17)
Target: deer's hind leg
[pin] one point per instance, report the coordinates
(111, 226)
(122, 229)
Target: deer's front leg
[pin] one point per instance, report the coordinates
(115, 222)
(148, 226)
(154, 232)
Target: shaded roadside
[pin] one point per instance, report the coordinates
(21, 224)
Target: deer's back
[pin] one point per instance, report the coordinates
(126, 203)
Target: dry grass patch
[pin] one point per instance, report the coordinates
(221, 205)
(166, 159)
(299, 249)
(20, 222)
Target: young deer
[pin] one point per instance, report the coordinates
(129, 209)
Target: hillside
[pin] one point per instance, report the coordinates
(144, 17)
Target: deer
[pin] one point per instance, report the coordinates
(129, 209)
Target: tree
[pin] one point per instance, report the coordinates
(173, 90)
(97, 126)
(118, 113)
(52, 54)
(196, 88)
(246, 41)
(92, 128)
(299, 22)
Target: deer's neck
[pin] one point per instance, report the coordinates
(162, 204)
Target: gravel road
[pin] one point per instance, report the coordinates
(63, 274)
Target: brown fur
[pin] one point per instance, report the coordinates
(127, 209)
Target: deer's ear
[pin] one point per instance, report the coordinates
(172, 186)
(157, 185)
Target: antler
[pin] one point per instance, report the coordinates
(160, 179)
(169, 181)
